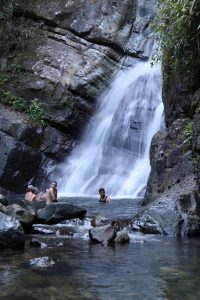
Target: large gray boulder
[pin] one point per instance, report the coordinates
(58, 212)
(24, 216)
(11, 233)
(103, 234)
(174, 213)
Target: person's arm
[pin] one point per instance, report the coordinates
(33, 198)
(52, 194)
(108, 200)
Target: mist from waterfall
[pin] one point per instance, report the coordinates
(114, 150)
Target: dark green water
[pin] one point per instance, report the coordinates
(149, 268)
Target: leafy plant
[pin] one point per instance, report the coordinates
(15, 102)
(188, 131)
(177, 30)
(36, 113)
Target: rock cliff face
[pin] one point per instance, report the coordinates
(172, 196)
(63, 53)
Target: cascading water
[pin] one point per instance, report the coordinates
(114, 151)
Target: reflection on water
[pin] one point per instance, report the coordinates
(162, 269)
(159, 268)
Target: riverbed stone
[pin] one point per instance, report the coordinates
(41, 262)
(122, 237)
(58, 212)
(100, 221)
(35, 243)
(103, 234)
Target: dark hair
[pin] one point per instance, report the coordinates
(55, 183)
(101, 190)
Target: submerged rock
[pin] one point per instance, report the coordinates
(100, 221)
(43, 229)
(103, 234)
(122, 237)
(58, 212)
(11, 233)
(41, 262)
(37, 244)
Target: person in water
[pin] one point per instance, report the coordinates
(51, 194)
(103, 197)
(31, 193)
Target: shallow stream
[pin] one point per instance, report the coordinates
(148, 268)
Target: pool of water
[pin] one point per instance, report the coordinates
(119, 208)
(148, 268)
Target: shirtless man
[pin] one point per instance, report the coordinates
(103, 197)
(51, 194)
(30, 193)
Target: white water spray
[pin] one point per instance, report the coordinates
(114, 151)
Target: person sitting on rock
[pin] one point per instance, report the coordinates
(31, 193)
(103, 197)
(51, 194)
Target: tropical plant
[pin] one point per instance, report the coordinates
(176, 28)
(35, 112)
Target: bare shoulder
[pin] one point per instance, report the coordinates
(108, 200)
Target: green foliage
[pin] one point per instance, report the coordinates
(15, 102)
(188, 131)
(177, 30)
(34, 111)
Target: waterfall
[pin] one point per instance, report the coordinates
(114, 150)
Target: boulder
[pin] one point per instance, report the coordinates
(103, 234)
(174, 213)
(24, 216)
(58, 212)
(36, 205)
(146, 224)
(100, 221)
(41, 262)
(3, 200)
(122, 237)
(11, 233)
